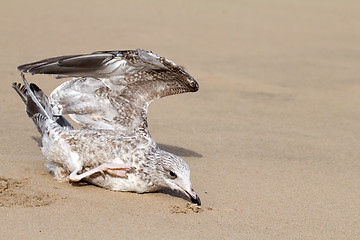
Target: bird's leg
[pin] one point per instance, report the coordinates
(119, 170)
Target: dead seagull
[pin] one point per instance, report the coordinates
(108, 96)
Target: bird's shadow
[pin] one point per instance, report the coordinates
(37, 140)
(180, 151)
(167, 191)
(173, 193)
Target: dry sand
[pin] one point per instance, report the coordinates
(272, 137)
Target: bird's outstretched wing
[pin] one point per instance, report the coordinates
(111, 89)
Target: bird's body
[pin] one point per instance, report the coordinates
(108, 96)
(87, 149)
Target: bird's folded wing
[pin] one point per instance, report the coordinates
(111, 89)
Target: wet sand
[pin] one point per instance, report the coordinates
(272, 136)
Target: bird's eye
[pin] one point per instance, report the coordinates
(172, 175)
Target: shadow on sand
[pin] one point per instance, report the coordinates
(182, 152)
(174, 193)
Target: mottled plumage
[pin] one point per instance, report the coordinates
(108, 96)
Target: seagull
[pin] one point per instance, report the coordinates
(108, 96)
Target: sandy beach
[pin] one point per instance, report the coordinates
(272, 137)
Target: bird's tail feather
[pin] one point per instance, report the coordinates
(37, 105)
(40, 122)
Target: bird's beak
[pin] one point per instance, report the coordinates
(193, 197)
(191, 194)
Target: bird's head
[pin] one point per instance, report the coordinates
(175, 174)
